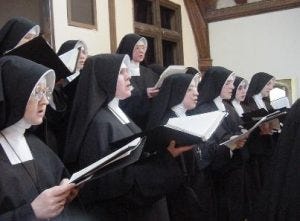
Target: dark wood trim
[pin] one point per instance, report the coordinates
(112, 25)
(80, 24)
(46, 18)
(200, 30)
(159, 34)
(250, 9)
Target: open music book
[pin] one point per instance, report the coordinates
(200, 125)
(184, 131)
(70, 59)
(170, 70)
(118, 159)
(39, 51)
(259, 120)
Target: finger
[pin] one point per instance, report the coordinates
(172, 144)
(60, 190)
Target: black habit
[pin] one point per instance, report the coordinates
(21, 183)
(227, 168)
(131, 193)
(137, 106)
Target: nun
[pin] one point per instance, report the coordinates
(32, 184)
(57, 116)
(194, 199)
(15, 32)
(262, 141)
(131, 193)
(228, 166)
(239, 94)
(68, 46)
(143, 79)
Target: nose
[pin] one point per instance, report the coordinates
(44, 100)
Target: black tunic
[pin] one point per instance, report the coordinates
(227, 171)
(138, 104)
(18, 189)
(131, 193)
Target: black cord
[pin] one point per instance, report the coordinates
(23, 166)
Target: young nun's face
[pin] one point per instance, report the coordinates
(82, 58)
(123, 89)
(191, 97)
(265, 92)
(37, 103)
(241, 91)
(139, 51)
(227, 88)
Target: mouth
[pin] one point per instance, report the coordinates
(41, 112)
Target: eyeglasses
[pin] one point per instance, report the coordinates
(40, 92)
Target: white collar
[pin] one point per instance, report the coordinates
(238, 107)
(134, 68)
(259, 101)
(73, 76)
(113, 106)
(14, 143)
(179, 110)
(218, 102)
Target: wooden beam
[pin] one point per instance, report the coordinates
(247, 9)
(112, 26)
(200, 30)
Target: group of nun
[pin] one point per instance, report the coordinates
(111, 97)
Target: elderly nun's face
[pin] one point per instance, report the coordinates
(265, 92)
(123, 89)
(139, 51)
(37, 103)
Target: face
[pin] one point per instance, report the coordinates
(28, 37)
(37, 103)
(139, 52)
(123, 89)
(82, 58)
(265, 92)
(241, 91)
(227, 88)
(191, 96)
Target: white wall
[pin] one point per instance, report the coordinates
(98, 41)
(267, 42)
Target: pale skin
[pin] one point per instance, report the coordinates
(138, 55)
(241, 91)
(123, 91)
(51, 201)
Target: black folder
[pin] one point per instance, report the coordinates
(116, 160)
(39, 51)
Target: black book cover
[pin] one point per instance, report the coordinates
(39, 51)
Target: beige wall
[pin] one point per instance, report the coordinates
(266, 42)
(98, 41)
